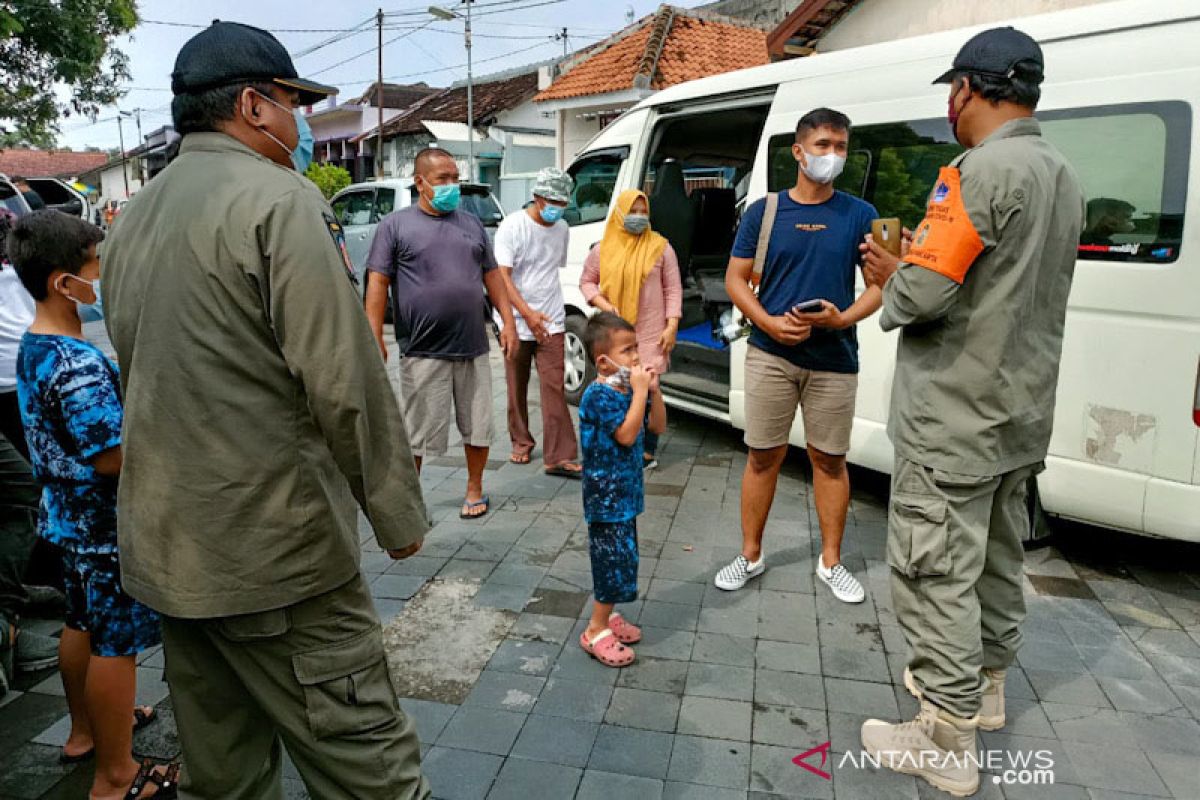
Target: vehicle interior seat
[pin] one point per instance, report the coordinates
(671, 213)
(715, 216)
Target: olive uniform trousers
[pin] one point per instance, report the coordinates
(311, 678)
(954, 547)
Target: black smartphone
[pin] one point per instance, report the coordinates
(808, 307)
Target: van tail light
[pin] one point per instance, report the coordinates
(1196, 402)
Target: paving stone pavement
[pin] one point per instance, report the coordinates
(728, 688)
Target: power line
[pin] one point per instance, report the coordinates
(367, 52)
(451, 67)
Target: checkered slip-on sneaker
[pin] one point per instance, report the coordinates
(735, 575)
(845, 587)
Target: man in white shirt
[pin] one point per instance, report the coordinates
(531, 249)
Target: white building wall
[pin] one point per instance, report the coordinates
(886, 20)
(112, 186)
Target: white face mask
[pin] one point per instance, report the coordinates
(823, 169)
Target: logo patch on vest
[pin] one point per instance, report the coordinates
(339, 241)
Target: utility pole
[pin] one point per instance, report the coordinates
(137, 115)
(442, 13)
(379, 98)
(563, 36)
(470, 102)
(121, 139)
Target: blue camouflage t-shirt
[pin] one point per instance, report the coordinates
(71, 410)
(612, 474)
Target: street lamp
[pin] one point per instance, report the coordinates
(442, 13)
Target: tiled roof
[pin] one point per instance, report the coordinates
(395, 95)
(800, 31)
(450, 105)
(48, 163)
(666, 48)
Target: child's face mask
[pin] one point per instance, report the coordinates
(618, 379)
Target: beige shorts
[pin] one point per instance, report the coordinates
(775, 386)
(427, 388)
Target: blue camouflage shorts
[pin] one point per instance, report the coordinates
(613, 549)
(97, 605)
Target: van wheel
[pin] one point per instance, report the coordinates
(579, 371)
(1040, 530)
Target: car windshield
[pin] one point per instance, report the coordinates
(484, 206)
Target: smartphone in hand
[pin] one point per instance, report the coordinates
(887, 233)
(808, 307)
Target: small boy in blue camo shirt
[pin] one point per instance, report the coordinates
(70, 403)
(614, 415)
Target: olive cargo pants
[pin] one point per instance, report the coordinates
(311, 678)
(954, 546)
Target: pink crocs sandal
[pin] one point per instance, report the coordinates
(625, 631)
(606, 649)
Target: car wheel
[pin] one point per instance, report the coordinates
(579, 371)
(1040, 530)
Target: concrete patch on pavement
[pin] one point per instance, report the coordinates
(440, 643)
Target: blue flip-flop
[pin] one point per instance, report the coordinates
(483, 501)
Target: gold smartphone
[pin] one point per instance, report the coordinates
(887, 232)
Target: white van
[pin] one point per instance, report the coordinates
(1122, 82)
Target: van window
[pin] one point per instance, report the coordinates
(1135, 205)
(1132, 160)
(595, 179)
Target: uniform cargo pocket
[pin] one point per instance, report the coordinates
(347, 688)
(918, 543)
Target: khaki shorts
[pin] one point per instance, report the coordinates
(775, 386)
(427, 387)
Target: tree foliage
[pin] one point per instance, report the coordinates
(329, 178)
(46, 44)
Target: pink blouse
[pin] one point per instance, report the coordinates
(660, 300)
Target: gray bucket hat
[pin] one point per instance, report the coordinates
(554, 184)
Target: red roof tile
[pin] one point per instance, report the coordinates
(450, 105)
(48, 163)
(695, 46)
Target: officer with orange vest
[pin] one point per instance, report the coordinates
(980, 299)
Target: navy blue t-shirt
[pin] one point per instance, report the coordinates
(812, 255)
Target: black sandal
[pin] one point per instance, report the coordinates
(167, 783)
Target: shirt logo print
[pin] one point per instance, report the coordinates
(810, 227)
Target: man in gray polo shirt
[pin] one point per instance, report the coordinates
(437, 261)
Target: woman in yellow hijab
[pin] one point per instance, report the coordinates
(634, 273)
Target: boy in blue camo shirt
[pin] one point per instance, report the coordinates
(71, 411)
(614, 415)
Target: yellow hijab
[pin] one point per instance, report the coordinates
(626, 260)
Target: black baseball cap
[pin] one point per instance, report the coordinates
(995, 52)
(230, 52)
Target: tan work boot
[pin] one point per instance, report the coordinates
(936, 746)
(991, 705)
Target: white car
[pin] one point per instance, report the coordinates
(360, 206)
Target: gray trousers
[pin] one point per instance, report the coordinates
(311, 678)
(19, 497)
(954, 546)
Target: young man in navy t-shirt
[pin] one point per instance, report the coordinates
(805, 359)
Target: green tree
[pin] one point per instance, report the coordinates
(50, 43)
(329, 178)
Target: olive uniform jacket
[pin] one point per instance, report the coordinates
(981, 299)
(258, 410)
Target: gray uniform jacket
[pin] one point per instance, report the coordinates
(982, 319)
(258, 411)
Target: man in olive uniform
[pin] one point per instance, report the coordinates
(258, 414)
(980, 299)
